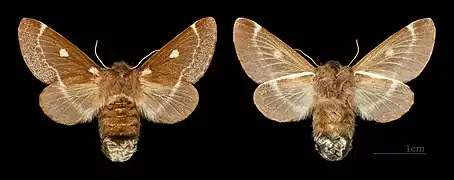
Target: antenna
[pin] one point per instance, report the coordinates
(307, 56)
(96, 54)
(357, 52)
(145, 58)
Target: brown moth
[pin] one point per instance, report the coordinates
(78, 90)
(291, 88)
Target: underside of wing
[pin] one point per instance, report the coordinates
(381, 99)
(70, 104)
(286, 99)
(403, 55)
(48, 55)
(165, 99)
(262, 55)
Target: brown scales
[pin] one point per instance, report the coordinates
(120, 117)
(334, 86)
(119, 120)
(120, 79)
(79, 90)
(291, 88)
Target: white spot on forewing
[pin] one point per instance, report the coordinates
(94, 71)
(146, 72)
(389, 52)
(277, 54)
(63, 53)
(174, 54)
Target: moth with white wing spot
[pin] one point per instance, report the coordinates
(79, 90)
(291, 88)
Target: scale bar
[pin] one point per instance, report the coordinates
(400, 153)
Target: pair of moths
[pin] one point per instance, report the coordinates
(162, 88)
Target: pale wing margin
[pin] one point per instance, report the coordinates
(404, 55)
(72, 104)
(167, 101)
(286, 99)
(264, 56)
(189, 54)
(381, 99)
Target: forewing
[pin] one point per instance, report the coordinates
(188, 55)
(75, 102)
(286, 99)
(264, 56)
(50, 56)
(72, 95)
(381, 99)
(403, 55)
(165, 99)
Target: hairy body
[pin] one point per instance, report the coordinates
(333, 113)
(160, 90)
(291, 89)
(119, 119)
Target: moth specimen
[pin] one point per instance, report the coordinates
(291, 89)
(161, 89)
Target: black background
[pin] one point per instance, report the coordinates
(226, 135)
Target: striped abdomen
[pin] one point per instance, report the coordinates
(119, 129)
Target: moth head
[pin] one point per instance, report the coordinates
(121, 68)
(329, 69)
(333, 148)
(119, 149)
(121, 65)
(333, 64)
